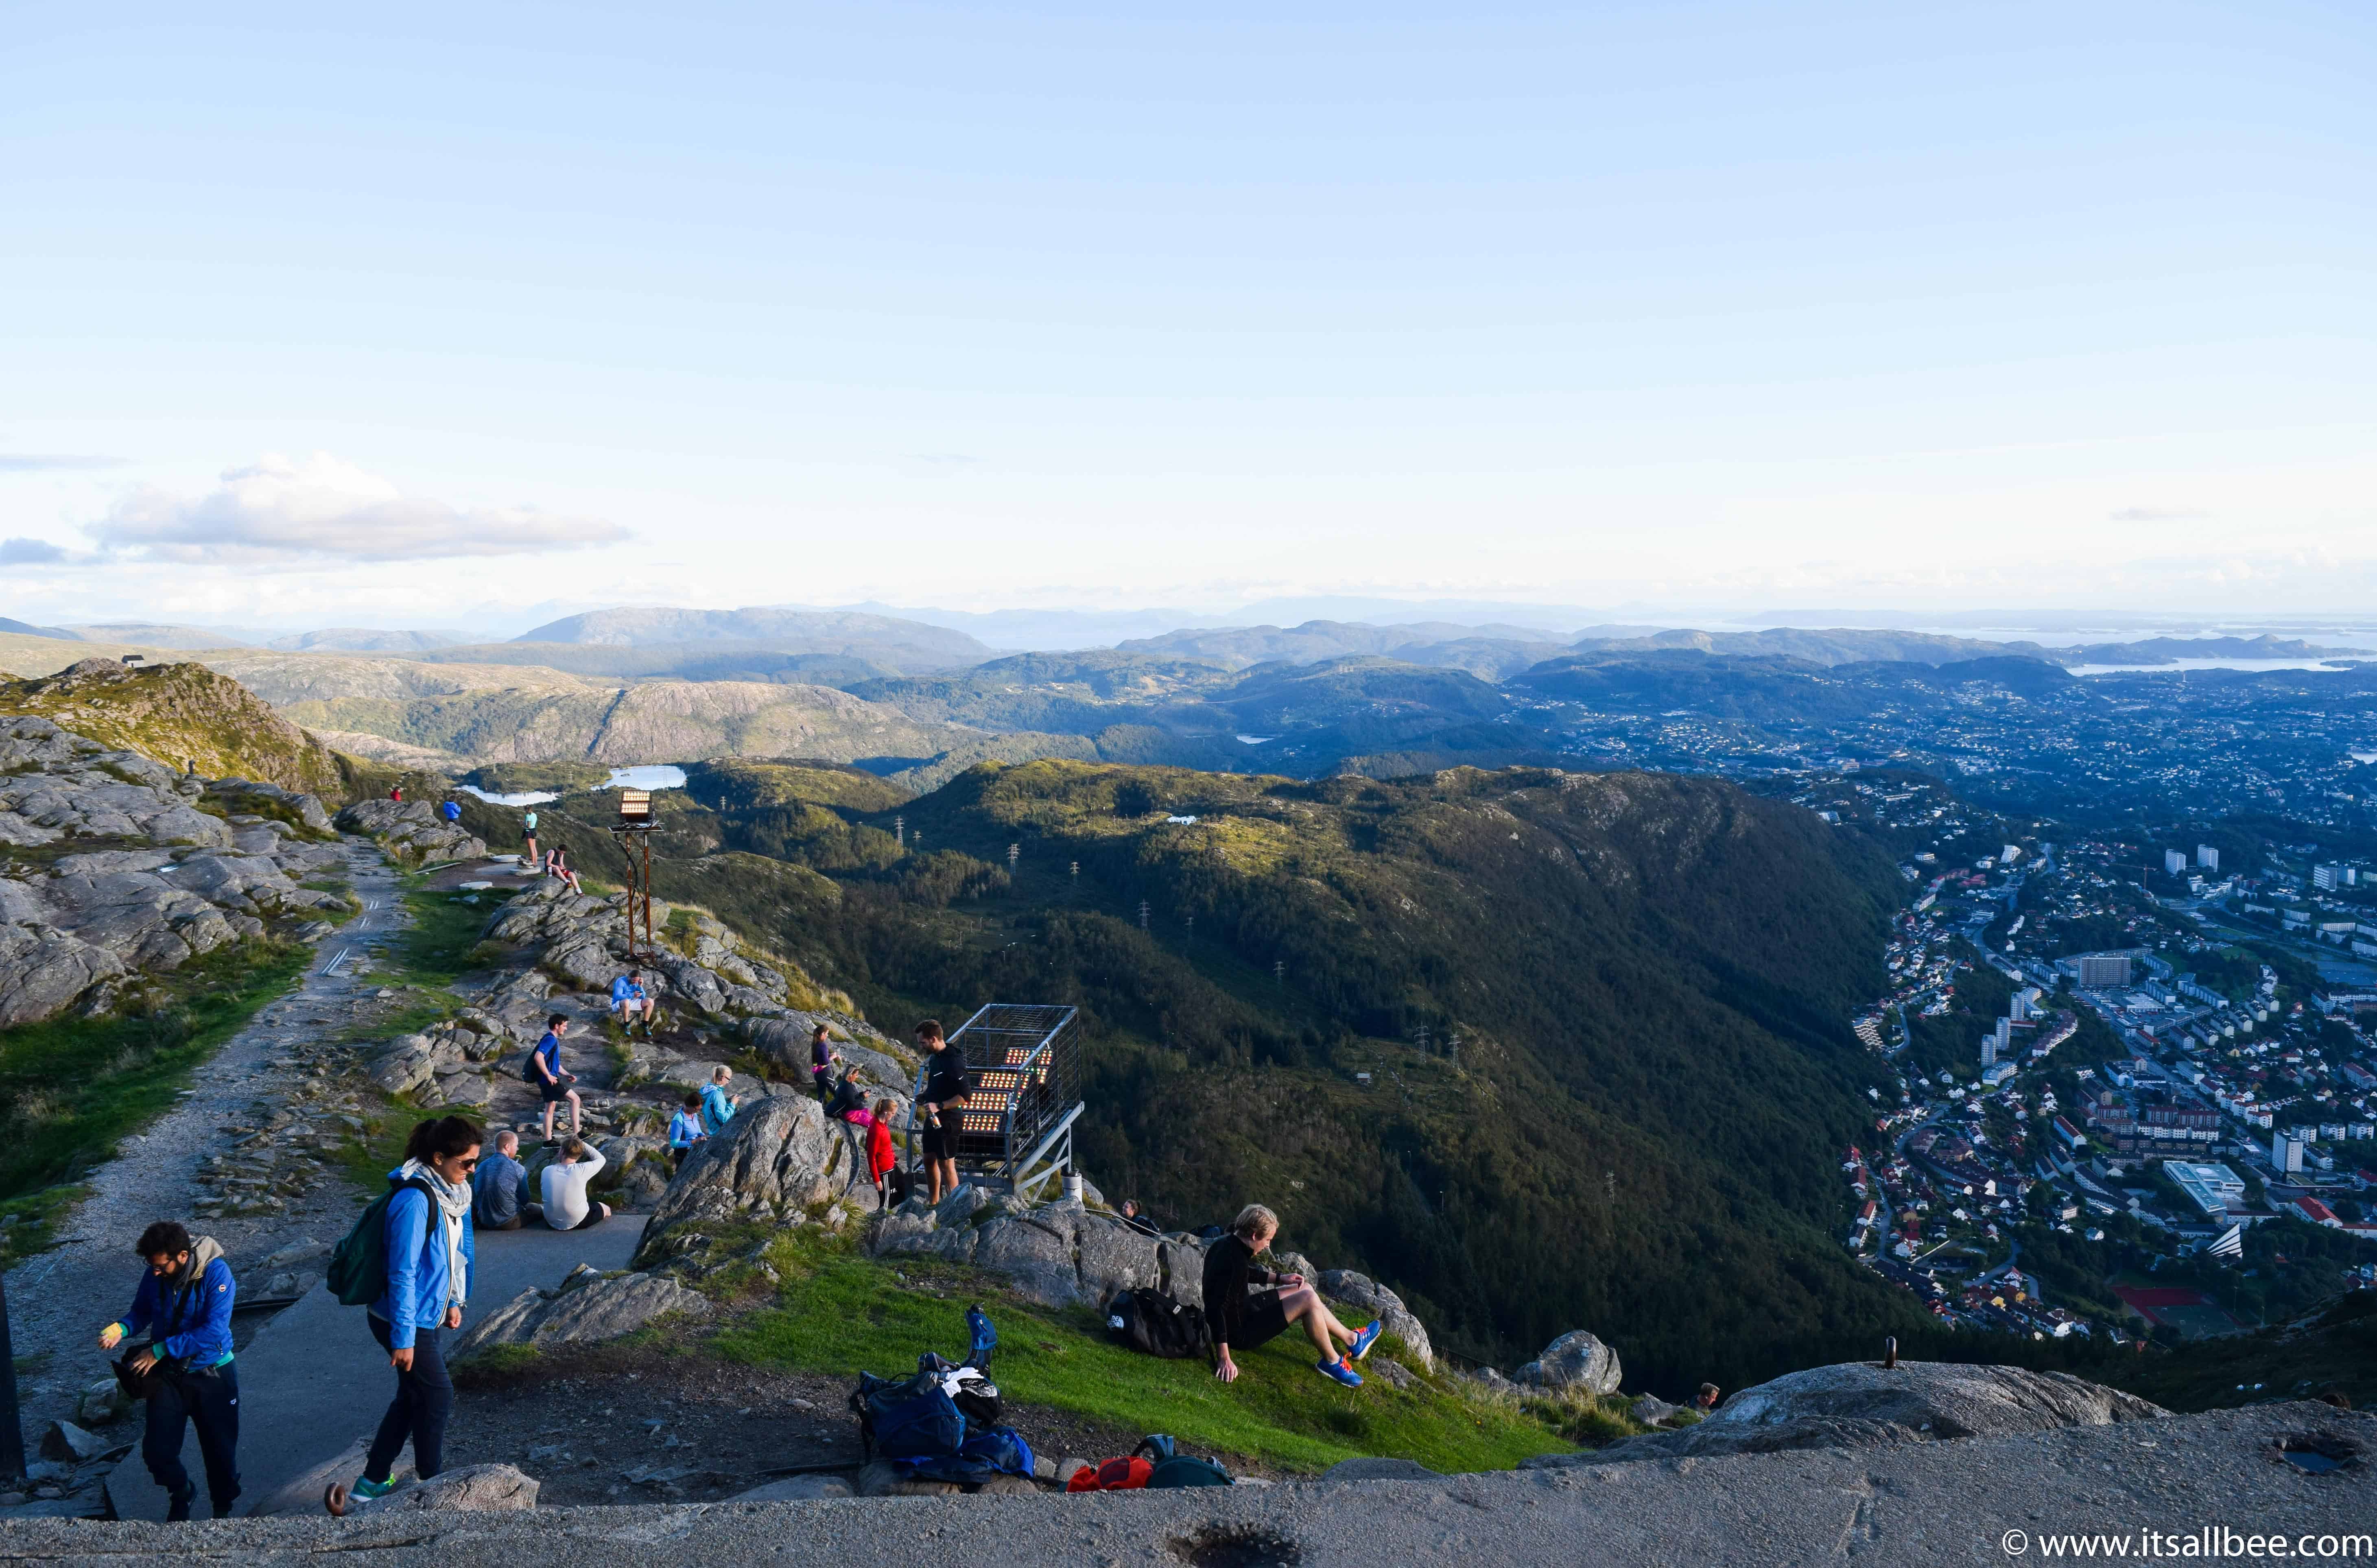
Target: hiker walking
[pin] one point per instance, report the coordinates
(430, 1253)
(940, 1105)
(1247, 1305)
(183, 1304)
(552, 1083)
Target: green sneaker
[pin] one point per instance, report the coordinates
(366, 1489)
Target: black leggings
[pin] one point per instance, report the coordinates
(424, 1398)
(210, 1399)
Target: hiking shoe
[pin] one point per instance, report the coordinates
(366, 1490)
(1339, 1370)
(1363, 1340)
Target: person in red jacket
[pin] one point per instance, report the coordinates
(880, 1155)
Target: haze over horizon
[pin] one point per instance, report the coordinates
(1664, 312)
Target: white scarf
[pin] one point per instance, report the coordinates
(454, 1207)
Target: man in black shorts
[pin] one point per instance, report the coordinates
(944, 1097)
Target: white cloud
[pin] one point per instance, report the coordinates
(320, 507)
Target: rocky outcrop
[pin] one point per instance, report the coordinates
(776, 1160)
(1367, 1295)
(1056, 1254)
(449, 1064)
(583, 1309)
(1577, 1361)
(785, 1041)
(411, 830)
(473, 1489)
(582, 943)
(161, 883)
(182, 715)
(1862, 1405)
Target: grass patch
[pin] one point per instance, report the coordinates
(28, 1222)
(442, 944)
(838, 1311)
(70, 1087)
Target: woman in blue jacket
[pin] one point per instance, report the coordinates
(183, 1304)
(430, 1253)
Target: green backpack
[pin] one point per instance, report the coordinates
(357, 1274)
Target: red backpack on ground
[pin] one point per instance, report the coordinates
(1113, 1475)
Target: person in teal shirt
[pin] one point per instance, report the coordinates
(717, 1106)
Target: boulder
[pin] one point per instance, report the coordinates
(103, 1401)
(404, 1064)
(771, 1161)
(1577, 1360)
(1036, 1257)
(1860, 1404)
(295, 1254)
(797, 1488)
(71, 1445)
(1056, 1254)
(584, 1309)
(1652, 1410)
(473, 1489)
(1368, 1295)
(411, 830)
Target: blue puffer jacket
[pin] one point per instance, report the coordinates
(419, 1280)
(194, 1324)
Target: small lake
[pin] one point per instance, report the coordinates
(649, 775)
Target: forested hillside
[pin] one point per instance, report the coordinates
(1647, 976)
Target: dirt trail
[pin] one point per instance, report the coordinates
(58, 1301)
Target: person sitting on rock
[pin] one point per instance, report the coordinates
(499, 1187)
(822, 1056)
(1706, 1400)
(1136, 1218)
(557, 864)
(566, 1206)
(629, 998)
(685, 1131)
(718, 1107)
(396, 793)
(545, 1072)
(183, 1302)
(452, 811)
(1241, 1317)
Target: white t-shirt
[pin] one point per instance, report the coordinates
(564, 1190)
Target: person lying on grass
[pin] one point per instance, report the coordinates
(1247, 1305)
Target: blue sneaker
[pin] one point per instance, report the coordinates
(1341, 1371)
(1363, 1340)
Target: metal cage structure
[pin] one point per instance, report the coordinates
(1023, 1068)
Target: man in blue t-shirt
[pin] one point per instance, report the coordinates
(545, 1072)
(629, 998)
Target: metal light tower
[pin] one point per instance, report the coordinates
(634, 832)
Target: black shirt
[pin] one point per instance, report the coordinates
(1230, 1271)
(945, 1080)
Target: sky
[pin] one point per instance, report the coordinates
(445, 314)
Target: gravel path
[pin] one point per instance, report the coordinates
(58, 1301)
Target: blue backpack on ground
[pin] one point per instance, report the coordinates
(920, 1422)
(913, 1419)
(1000, 1450)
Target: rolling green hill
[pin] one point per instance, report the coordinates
(1648, 976)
